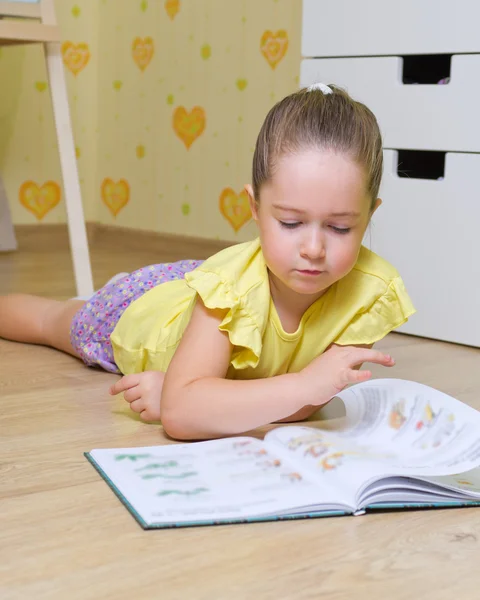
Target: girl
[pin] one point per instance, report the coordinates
(263, 331)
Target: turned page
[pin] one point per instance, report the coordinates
(392, 427)
(424, 431)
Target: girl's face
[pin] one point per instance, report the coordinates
(312, 217)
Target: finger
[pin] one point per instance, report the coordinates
(124, 383)
(146, 416)
(361, 355)
(358, 376)
(137, 406)
(132, 394)
(150, 415)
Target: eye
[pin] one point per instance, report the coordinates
(341, 230)
(289, 224)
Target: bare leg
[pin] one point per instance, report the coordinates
(37, 320)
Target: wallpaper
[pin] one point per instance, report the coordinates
(166, 98)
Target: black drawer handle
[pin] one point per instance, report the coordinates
(421, 164)
(426, 68)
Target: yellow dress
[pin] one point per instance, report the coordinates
(361, 308)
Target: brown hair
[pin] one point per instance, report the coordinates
(313, 119)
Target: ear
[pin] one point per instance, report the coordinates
(251, 198)
(378, 201)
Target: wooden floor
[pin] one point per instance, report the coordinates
(63, 533)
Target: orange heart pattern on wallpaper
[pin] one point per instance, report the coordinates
(39, 200)
(189, 125)
(142, 52)
(274, 46)
(115, 194)
(172, 7)
(235, 207)
(75, 56)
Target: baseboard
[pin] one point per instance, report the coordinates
(137, 239)
(55, 235)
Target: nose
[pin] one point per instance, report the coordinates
(313, 246)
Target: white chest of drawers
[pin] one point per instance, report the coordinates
(428, 228)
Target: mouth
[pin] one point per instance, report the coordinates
(309, 272)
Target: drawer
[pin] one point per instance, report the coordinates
(383, 27)
(429, 117)
(429, 230)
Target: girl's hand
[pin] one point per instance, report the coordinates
(337, 367)
(143, 392)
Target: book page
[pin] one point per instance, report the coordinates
(467, 483)
(426, 431)
(460, 487)
(343, 464)
(208, 481)
(392, 427)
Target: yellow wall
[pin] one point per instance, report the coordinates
(28, 151)
(147, 157)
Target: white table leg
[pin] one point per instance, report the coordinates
(7, 234)
(66, 147)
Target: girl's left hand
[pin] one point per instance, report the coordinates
(143, 392)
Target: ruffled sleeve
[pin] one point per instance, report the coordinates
(242, 289)
(387, 312)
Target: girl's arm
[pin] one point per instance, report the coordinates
(308, 411)
(199, 403)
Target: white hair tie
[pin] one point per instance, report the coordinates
(320, 86)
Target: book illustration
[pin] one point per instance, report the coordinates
(317, 449)
(132, 457)
(429, 418)
(252, 452)
(270, 464)
(292, 477)
(340, 458)
(261, 452)
(433, 437)
(240, 451)
(246, 454)
(241, 444)
(333, 458)
(168, 475)
(332, 461)
(397, 418)
(307, 439)
(316, 446)
(188, 493)
(464, 482)
(166, 461)
(468, 481)
(165, 465)
(237, 448)
(444, 432)
(327, 456)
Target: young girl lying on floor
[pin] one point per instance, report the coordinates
(263, 331)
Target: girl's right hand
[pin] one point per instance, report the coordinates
(337, 367)
(143, 391)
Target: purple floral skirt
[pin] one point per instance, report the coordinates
(93, 324)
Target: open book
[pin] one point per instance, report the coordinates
(401, 444)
